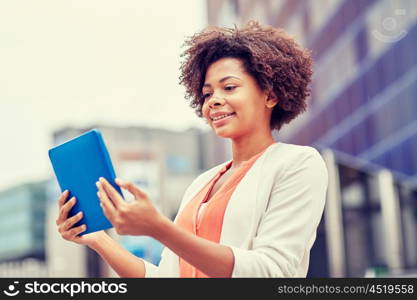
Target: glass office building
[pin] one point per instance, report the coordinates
(21, 222)
(22, 229)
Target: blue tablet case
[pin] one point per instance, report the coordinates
(78, 164)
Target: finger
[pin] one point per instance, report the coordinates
(71, 234)
(71, 221)
(105, 210)
(61, 201)
(112, 194)
(107, 205)
(62, 198)
(129, 186)
(63, 214)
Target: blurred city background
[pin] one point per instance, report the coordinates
(69, 66)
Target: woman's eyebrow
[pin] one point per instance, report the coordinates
(221, 80)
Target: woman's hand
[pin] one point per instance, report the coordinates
(138, 217)
(65, 224)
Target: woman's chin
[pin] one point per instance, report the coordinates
(225, 133)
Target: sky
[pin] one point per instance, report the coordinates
(86, 62)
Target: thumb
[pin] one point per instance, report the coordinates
(129, 186)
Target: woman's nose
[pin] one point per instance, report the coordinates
(215, 101)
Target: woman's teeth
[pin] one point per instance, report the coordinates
(222, 116)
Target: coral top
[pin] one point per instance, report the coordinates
(208, 223)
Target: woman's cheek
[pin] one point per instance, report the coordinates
(204, 111)
(206, 115)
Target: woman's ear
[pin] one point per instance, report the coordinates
(271, 100)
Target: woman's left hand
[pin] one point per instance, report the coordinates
(138, 217)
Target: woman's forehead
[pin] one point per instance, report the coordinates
(224, 67)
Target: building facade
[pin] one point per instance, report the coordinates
(22, 230)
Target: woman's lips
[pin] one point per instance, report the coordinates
(223, 121)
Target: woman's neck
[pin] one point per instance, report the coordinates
(246, 147)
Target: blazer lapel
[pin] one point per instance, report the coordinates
(241, 210)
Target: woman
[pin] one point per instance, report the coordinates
(253, 216)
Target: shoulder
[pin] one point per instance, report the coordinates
(294, 152)
(285, 157)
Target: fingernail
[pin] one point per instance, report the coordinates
(98, 184)
(80, 213)
(101, 179)
(73, 199)
(84, 227)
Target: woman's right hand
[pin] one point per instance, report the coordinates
(65, 224)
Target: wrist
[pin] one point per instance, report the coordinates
(99, 239)
(161, 226)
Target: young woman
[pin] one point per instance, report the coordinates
(253, 216)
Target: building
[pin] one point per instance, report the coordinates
(22, 230)
(362, 116)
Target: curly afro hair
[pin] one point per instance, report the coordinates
(278, 64)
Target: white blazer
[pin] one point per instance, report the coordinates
(272, 216)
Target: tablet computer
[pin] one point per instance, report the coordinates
(78, 164)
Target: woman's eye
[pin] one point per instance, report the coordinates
(206, 95)
(230, 87)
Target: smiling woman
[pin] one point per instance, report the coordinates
(253, 216)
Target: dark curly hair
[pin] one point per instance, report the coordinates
(278, 64)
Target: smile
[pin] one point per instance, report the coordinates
(222, 117)
(222, 120)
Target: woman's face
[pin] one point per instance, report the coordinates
(234, 104)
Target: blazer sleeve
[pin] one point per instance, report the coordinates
(290, 221)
